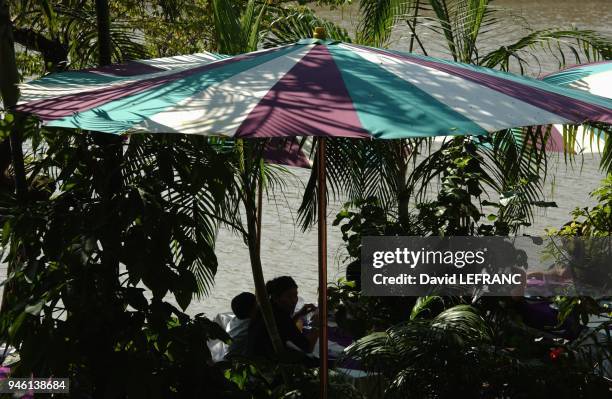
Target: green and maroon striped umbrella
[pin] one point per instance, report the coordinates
(311, 88)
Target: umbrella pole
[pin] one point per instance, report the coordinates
(323, 372)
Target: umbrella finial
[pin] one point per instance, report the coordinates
(319, 33)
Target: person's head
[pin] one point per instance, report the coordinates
(283, 292)
(244, 305)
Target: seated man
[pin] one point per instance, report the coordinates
(284, 297)
(244, 306)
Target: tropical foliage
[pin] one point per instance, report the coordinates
(259, 379)
(436, 346)
(592, 222)
(153, 205)
(68, 310)
(467, 28)
(596, 223)
(463, 351)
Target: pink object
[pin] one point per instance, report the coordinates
(286, 152)
(4, 374)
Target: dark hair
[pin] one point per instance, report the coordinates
(277, 286)
(243, 304)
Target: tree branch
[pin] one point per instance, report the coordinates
(54, 53)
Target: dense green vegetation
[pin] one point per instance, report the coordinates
(436, 346)
(95, 220)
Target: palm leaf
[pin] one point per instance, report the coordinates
(228, 29)
(582, 45)
(516, 162)
(377, 19)
(293, 24)
(237, 31)
(358, 169)
(419, 344)
(197, 184)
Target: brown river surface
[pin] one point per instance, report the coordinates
(288, 251)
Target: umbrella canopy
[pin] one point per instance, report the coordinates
(282, 152)
(595, 78)
(88, 80)
(311, 88)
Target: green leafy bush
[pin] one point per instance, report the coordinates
(101, 226)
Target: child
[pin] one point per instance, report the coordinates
(244, 306)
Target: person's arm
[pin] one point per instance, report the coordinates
(313, 335)
(309, 307)
(293, 334)
(312, 338)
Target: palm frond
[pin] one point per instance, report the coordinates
(595, 133)
(471, 31)
(581, 45)
(73, 24)
(237, 30)
(377, 19)
(250, 24)
(293, 24)
(196, 190)
(228, 30)
(516, 162)
(359, 169)
(444, 18)
(511, 163)
(423, 305)
(419, 344)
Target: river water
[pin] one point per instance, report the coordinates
(288, 251)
